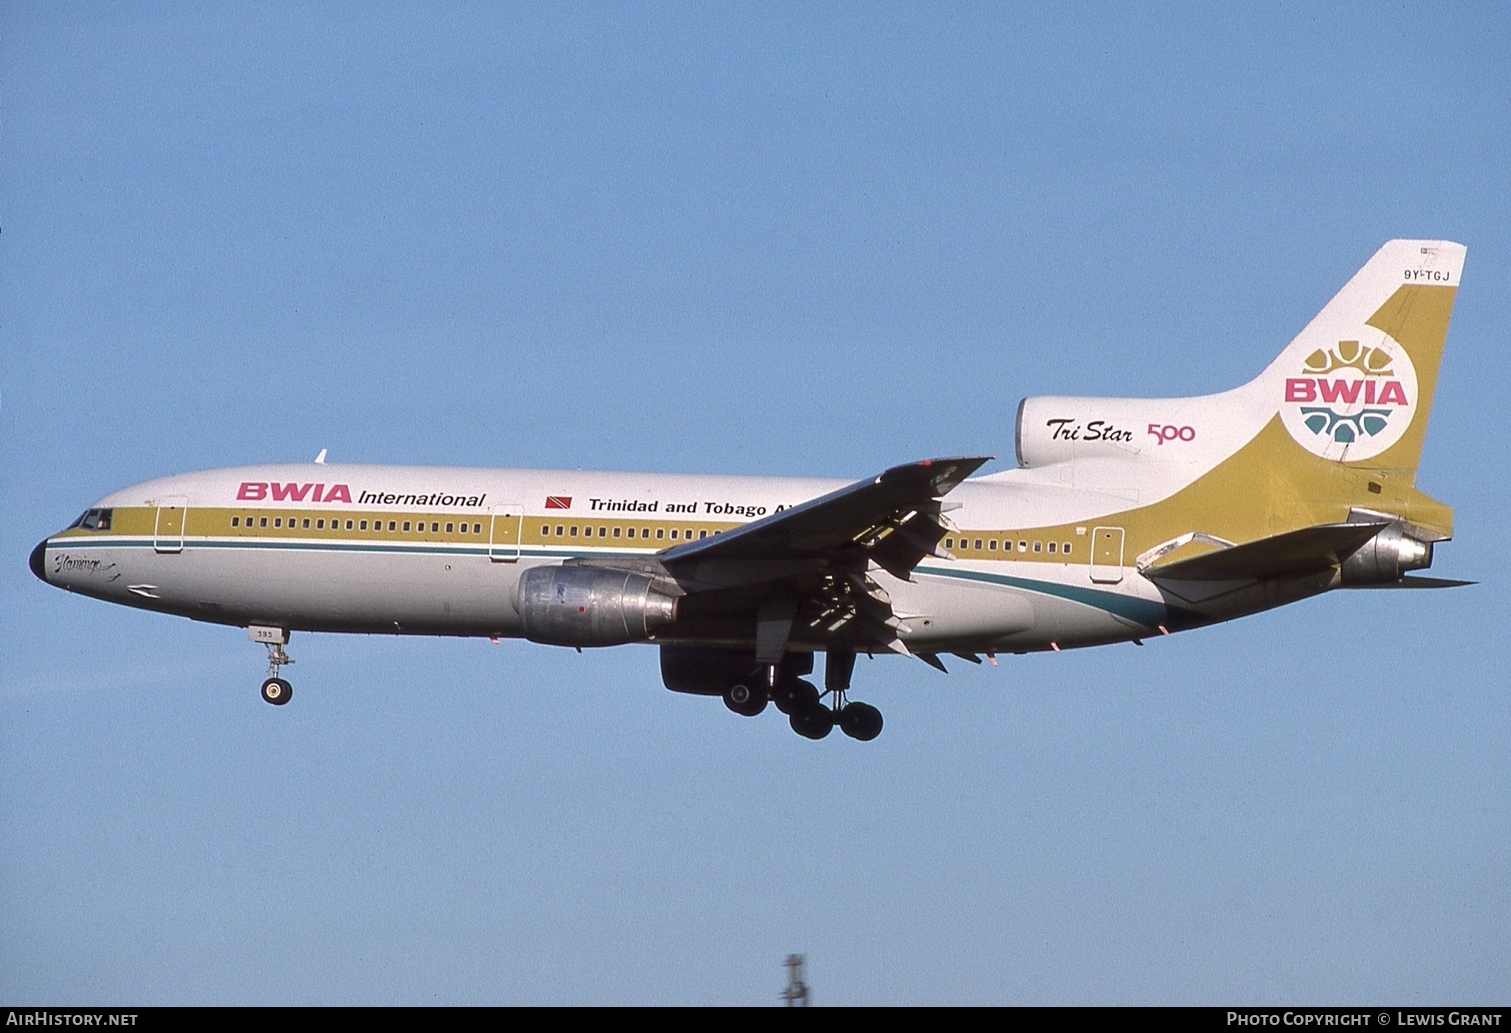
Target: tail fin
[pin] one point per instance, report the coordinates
(1334, 424)
(1356, 384)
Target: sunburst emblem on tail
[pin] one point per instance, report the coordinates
(1351, 399)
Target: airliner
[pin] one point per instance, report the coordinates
(1125, 519)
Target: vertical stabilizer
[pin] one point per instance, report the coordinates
(1356, 384)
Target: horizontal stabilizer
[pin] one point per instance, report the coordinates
(1293, 554)
(1420, 582)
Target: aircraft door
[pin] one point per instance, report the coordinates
(504, 533)
(1106, 555)
(168, 531)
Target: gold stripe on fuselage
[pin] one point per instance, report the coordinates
(539, 531)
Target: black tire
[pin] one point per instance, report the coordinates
(277, 691)
(814, 723)
(860, 721)
(794, 696)
(746, 698)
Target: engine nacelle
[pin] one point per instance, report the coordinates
(1386, 557)
(592, 606)
(1053, 429)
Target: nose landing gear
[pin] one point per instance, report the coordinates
(275, 690)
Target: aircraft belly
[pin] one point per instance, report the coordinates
(938, 610)
(304, 589)
(1020, 606)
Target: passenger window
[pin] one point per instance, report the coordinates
(674, 534)
(603, 532)
(1051, 546)
(1037, 546)
(702, 534)
(278, 521)
(1022, 546)
(559, 530)
(645, 532)
(1007, 545)
(616, 532)
(660, 531)
(477, 528)
(572, 532)
(262, 521)
(978, 543)
(630, 533)
(348, 525)
(320, 524)
(449, 527)
(949, 543)
(236, 521)
(991, 545)
(363, 526)
(1065, 548)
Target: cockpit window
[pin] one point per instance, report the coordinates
(95, 520)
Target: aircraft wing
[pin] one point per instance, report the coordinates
(894, 518)
(807, 565)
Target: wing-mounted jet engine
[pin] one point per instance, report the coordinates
(593, 606)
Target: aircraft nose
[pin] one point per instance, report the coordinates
(39, 560)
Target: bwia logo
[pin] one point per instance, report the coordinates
(1351, 401)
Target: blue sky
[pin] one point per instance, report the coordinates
(754, 239)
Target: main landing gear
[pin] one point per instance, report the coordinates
(805, 708)
(275, 690)
(812, 718)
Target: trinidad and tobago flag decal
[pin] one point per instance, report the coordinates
(558, 502)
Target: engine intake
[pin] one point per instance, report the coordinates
(592, 606)
(1386, 557)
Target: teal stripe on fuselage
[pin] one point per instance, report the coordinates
(1128, 607)
(1139, 611)
(429, 549)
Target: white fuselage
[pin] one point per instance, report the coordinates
(439, 550)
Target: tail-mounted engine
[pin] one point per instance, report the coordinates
(1386, 557)
(593, 606)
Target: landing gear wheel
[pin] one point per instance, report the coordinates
(746, 698)
(860, 721)
(277, 691)
(795, 696)
(813, 723)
